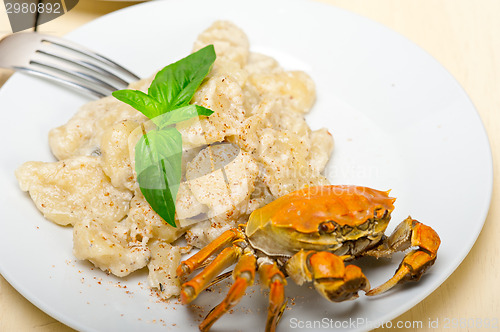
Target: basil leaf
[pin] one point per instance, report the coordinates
(158, 153)
(140, 101)
(181, 114)
(157, 190)
(156, 145)
(175, 85)
(158, 156)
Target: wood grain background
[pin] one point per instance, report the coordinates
(464, 36)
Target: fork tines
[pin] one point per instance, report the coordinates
(66, 62)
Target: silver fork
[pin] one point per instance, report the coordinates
(63, 61)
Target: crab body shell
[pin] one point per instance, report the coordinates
(344, 220)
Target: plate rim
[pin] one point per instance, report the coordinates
(39, 303)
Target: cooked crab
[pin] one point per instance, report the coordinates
(307, 235)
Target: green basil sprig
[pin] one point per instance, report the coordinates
(158, 153)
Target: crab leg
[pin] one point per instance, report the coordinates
(332, 279)
(193, 287)
(409, 233)
(243, 275)
(272, 278)
(192, 263)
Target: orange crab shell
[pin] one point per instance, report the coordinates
(306, 209)
(308, 235)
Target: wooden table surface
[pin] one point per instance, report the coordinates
(464, 36)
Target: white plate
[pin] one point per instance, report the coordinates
(399, 119)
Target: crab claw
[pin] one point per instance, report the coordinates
(331, 278)
(409, 233)
(413, 266)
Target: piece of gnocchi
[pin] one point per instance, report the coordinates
(230, 42)
(82, 134)
(224, 97)
(295, 87)
(91, 241)
(116, 161)
(145, 224)
(72, 190)
(162, 276)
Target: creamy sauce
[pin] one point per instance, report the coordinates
(268, 151)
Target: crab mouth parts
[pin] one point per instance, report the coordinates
(345, 240)
(349, 247)
(356, 247)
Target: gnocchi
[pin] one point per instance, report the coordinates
(254, 148)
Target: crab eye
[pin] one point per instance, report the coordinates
(381, 213)
(327, 227)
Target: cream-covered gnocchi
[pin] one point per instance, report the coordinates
(254, 148)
